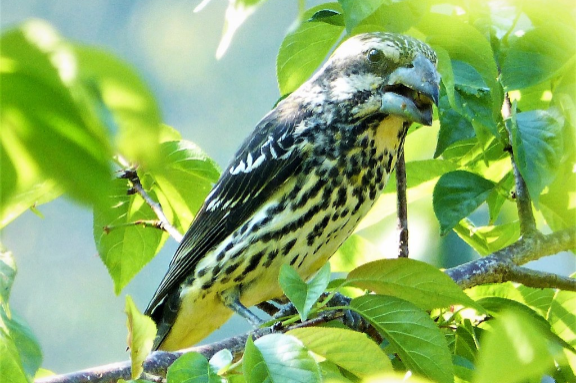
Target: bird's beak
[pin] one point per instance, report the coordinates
(410, 92)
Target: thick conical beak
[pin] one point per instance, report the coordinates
(411, 91)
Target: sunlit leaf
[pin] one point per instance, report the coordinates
(414, 281)
(279, 358)
(304, 48)
(184, 175)
(355, 251)
(26, 343)
(141, 333)
(302, 294)
(488, 239)
(117, 90)
(124, 245)
(513, 351)
(46, 132)
(192, 367)
(348, 349)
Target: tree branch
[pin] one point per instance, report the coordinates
(132, 176)
(157, 362)
(401, 206)
(502, 265)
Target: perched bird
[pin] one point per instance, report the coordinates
(298, 186)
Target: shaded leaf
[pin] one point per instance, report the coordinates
(538, 55)
(413, 335)
(537, 143)
(456, 195)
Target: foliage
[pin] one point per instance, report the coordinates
(74, 116)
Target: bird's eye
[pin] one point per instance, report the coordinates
(375, 55)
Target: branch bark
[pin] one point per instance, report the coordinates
(503, 265)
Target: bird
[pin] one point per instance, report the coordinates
(298, 186)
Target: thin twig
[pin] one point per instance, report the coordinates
(402, 206)
(132, 176)
(523, 200)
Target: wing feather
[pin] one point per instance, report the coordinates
(237, 195)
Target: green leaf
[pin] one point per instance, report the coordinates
(456, 195)
(538, 55)
(514, 351)
(305, 48)
(475, 50)
(496, 305)
(562, 315)
(537, 299)
(328, 16)
(45, 128)
(27, 345)
(557, 204)
(184, 176)
(417, 282)
(454, 127)
(192, 367)
(20, 354)
(413, 335)
(303, 294)
(117, 89)
(391, 16)
(348, 349)
(7, 273)
(141, 333)
(357, 11)
(279, 358)
(24, 199)
(488, 239)
(123, 246)
(421, 177)
(10, 363)
(537, 143)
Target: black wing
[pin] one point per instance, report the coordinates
(264, 162)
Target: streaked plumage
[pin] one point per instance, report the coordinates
(299, 184)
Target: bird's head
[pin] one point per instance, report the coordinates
(381, 72)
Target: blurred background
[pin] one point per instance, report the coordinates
(62, 288)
